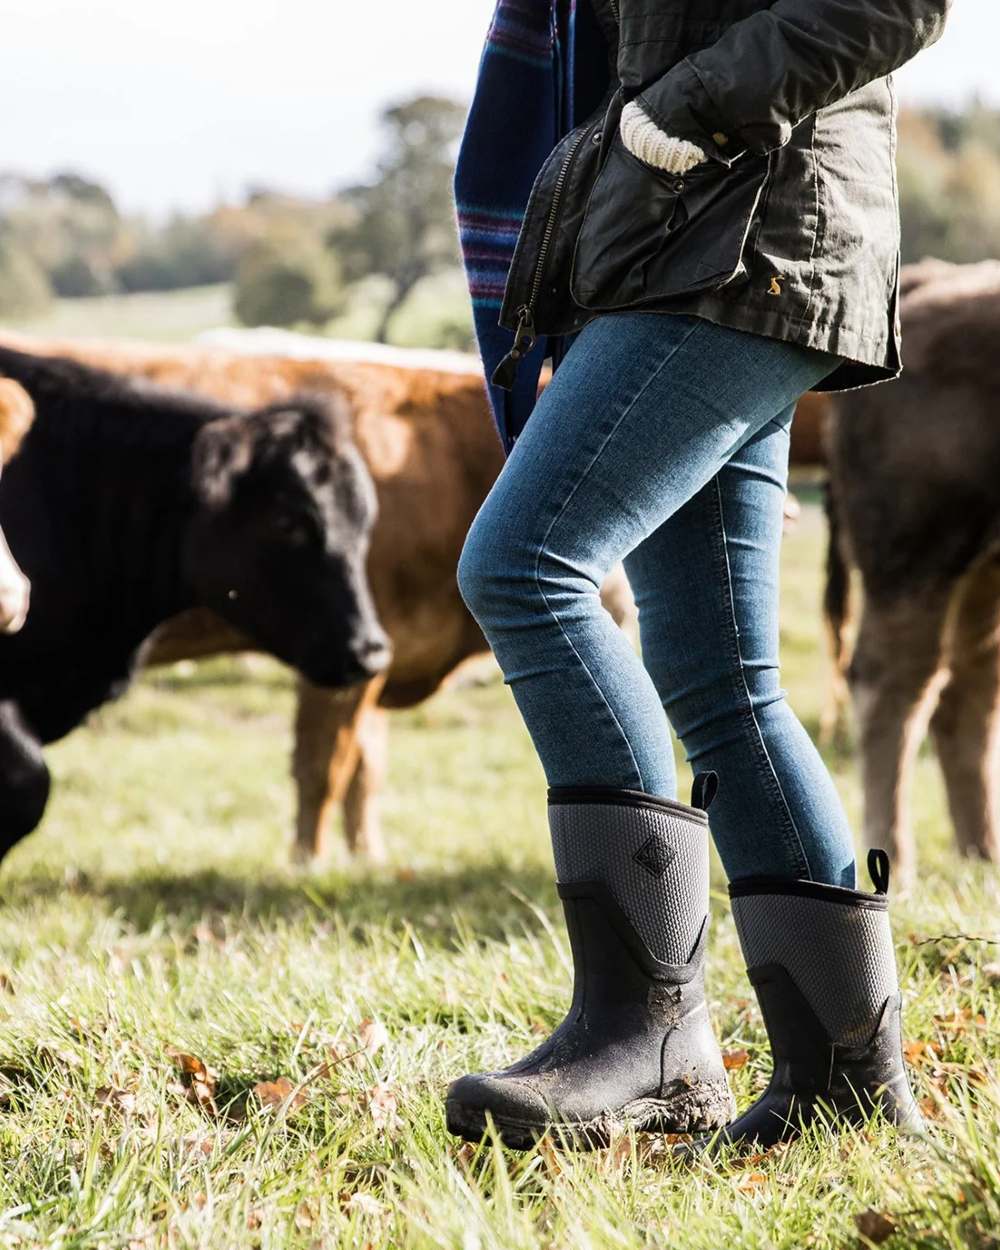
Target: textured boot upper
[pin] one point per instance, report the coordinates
(835, 944)
(653, 857)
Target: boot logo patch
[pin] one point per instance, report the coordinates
(655, 855)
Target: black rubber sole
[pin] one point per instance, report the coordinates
(702, 1111)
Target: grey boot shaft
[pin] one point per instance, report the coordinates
(652, 854)
(822, 962)
(636, 1046)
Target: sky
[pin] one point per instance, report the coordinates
(178, 105)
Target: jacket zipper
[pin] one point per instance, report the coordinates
(505, 373)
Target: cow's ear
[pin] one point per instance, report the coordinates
(17, 412)
(222, 451)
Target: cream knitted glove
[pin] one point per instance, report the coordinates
(649, 143)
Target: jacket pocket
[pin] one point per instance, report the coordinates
(647, 235)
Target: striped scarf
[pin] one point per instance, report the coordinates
(544, 64)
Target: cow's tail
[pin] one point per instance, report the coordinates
(837, 618)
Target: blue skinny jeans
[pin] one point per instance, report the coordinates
(662, 440)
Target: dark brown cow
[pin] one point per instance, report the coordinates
(915, 508)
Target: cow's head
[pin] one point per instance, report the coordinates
(16, 415)
(280, 537)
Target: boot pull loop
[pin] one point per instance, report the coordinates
(704, 789)
(878, 870)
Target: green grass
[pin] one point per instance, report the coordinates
(156, 316)
(155, 911)
(177, 316)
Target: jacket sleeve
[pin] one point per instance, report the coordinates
(774, 68)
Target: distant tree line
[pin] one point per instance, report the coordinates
(291, 260)
(949, 183)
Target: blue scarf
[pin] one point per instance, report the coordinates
(544, 66)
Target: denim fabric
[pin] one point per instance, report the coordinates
(662, 440)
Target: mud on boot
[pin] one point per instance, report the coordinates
(636, 1047)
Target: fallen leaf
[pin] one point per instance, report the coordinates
(874, 1225)
(752, 1181)
(733, 1059)
(921, 1052)
(364, 1204)
(122, 1100)
(550, 1157)
(199, 1082)
(382, 1107)
(619, 1152)
(198, 1144)
(373, 1035)
(305, 1215)
(278, 1093)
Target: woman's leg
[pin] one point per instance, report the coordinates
(642, 413)
(707, 587)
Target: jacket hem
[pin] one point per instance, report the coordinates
(866, 358)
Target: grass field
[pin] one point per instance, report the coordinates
(177, 316)
(154, 917)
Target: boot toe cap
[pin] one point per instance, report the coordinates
(508, 1100)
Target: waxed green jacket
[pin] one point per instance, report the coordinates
(789, 229)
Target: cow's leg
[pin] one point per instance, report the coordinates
(966, 723)
(24, 779)
(362, 823)
(894, 676)
(325, 758)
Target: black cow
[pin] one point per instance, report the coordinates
(128, 504)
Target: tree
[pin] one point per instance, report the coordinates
(24, 288)
(404, 222)
(286, 278)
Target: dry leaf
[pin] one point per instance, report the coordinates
(199, 1080)
(277, 1093)
(619, 1152)
(752, 1181)
(921, 1053)
(122, 1100)
(305, 1215)
(550, 1157)
(733, 1059)
(874, 1225)
(960, 1021)
(382, 1107)
(364, 1204)
(6, 983)
(373, 1035)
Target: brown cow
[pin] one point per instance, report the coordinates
(16, 416)
(427, 439)
(915, 507)
(422, 424)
